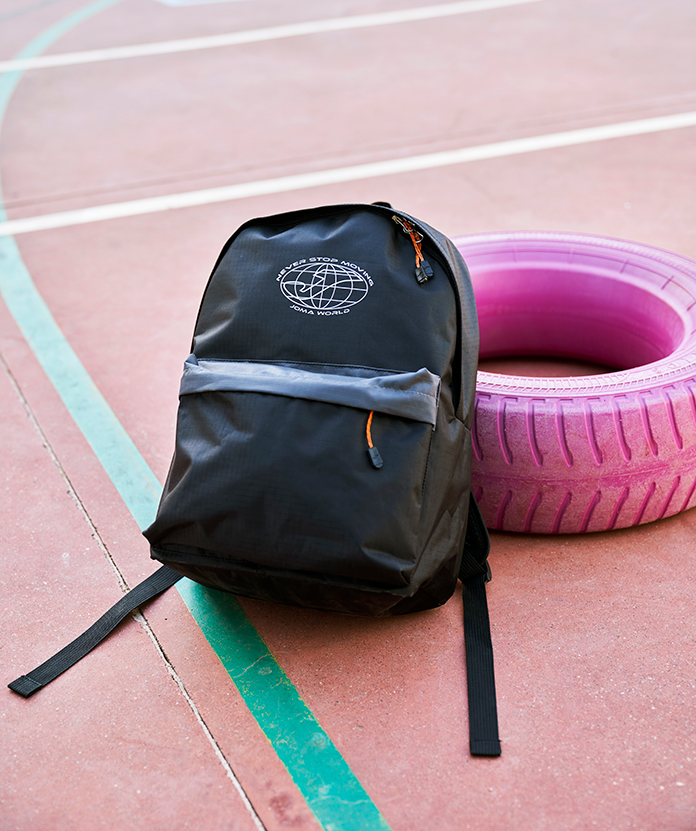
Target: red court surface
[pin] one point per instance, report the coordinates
(594, 635)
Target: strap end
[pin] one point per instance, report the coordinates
(484, 747)
(25, 686)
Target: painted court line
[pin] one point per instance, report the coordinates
(321, 774)
(263, 187)
(338, 801)
(257, 35)
(195, 2)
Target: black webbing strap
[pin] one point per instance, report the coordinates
(475, 573)
(155, 584)
(480, 676)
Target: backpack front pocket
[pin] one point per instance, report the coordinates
(273, 467)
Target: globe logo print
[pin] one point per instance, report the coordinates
(322, 286)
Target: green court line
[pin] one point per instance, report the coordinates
(330, 789)
(137, 484)
(323, 777)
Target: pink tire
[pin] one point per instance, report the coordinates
(579, 454)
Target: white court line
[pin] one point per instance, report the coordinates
(255, 35)
(178, 3)
(371, 170)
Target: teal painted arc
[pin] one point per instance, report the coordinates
(120, 458)
(323, 777)
(125, 466)
(331, 790)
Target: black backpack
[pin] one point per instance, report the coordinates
(323, 445)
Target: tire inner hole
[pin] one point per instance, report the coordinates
(554, 321)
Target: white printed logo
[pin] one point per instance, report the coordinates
(324, 285)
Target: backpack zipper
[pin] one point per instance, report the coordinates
(443, 258)
(372, 451)
(423, 269)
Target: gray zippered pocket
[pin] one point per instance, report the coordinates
(412, 395)
(274, 465)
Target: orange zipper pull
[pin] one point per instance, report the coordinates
(423, 269)
(372, 451)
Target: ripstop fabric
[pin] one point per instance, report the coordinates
(312, 325)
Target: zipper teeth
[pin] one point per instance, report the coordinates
(442, 257)
(409, 225)
(443, 261)
(424, 270)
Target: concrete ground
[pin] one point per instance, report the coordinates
(215, 714)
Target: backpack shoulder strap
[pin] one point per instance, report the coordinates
(155, 584)
(474, 574)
